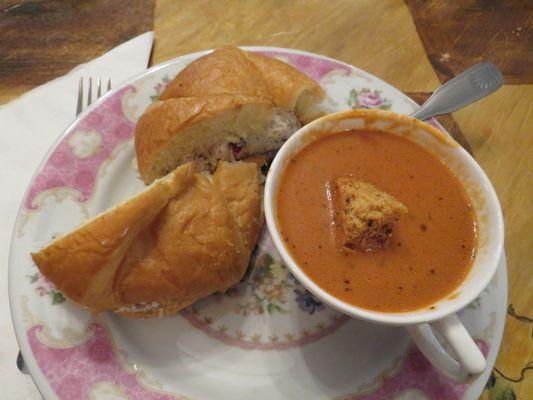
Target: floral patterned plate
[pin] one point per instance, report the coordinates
(266, 338)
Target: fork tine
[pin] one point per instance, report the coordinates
(99, 88)
(90, 92)
(79, 106)
(98, 93)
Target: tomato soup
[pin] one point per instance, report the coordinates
(432, 246)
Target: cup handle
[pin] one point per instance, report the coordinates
(467, 359)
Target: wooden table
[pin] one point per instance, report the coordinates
(413, 44)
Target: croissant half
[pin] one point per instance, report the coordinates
(227, 105)
(184, 237)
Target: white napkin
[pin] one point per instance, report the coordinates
(29, 125)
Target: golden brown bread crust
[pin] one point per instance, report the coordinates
(93, 252)
(179, 240)
(284, 82)
(195, 249)
(224, 71)
(232, 71)
(223, 80)
(239, 184)
(164, 120)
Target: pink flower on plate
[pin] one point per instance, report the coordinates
(369, 99)
(70, 388)
(41, 291)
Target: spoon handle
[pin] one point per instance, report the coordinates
(471, 85)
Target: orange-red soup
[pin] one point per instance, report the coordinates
(432, 247)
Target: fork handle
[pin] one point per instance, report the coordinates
(471, 85)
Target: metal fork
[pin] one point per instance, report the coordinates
(79, 108)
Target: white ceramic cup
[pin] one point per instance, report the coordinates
(465, 360)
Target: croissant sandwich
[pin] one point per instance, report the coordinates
(229, 105)
(184, 237)
(192, 231)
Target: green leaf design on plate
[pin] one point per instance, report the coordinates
(33, 277)
(272, 308)
(57, 297)
(352, 98)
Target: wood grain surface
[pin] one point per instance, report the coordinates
(377, 36)
(42, 39)
(458, 34)
(414, 45)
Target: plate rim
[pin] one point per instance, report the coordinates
(35, 372)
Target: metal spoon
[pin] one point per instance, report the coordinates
(471, 85)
